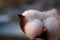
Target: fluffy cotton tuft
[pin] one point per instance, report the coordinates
(51, 13)
(33, 28)
(33, 14)
(52, 25)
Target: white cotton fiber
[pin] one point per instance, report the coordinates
(52, 25)
(33, 28)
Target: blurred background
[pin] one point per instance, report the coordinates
(9, 20)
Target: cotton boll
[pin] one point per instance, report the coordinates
(33, 28)
(52, 25)
(31, 21)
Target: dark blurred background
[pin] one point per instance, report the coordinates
(9, 20)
